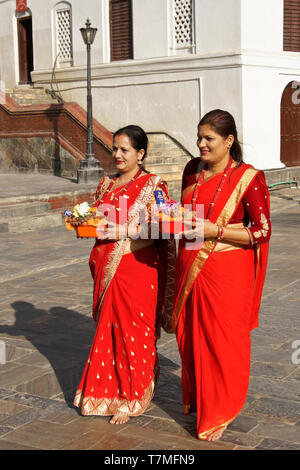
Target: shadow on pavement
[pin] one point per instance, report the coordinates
(63, 337)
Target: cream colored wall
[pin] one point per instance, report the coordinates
(262, 25)
(239, 65)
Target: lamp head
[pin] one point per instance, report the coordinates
(88, 33)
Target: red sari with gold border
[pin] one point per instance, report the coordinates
(217, 298)
(122, 367)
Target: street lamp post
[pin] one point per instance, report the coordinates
(90, 169)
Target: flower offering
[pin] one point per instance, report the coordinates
(171, 215)
(84, 219)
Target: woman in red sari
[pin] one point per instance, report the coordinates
(219, 280)
(120, 374)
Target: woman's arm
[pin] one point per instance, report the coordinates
(237, 235)
(256, 204)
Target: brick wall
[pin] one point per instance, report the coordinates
(64, 123)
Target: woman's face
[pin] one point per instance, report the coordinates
(126, 157)
(213, 147)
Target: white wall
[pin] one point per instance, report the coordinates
(239, 66)
(261, 117)
(218, 26)
(150, 34)
(8, 44)
(262, 25)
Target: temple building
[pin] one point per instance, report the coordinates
(163, 64)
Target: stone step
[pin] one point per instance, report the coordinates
(165, 159)
(170, 176)
(30, 96)
(26, 90)
(166, 168)
(30, 223)
(23, 210)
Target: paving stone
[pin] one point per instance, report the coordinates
(273, 444)
(283, 410)
(48, 328)
(42, 403)
(114, 442)
(242, 439)
(5, 429)
(41, 434)
(172, 441)
(59, 418)
(18, 375)
(170, 426)
(6, 445)
(243, 424)
(88, 441)
(22, 418)
(10, 407)
(273, 430)
(275, 388)
(262, 369)
(6, 393)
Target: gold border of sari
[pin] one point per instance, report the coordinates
(120, 247)
(205, 434)
(103, 406)
(208, 246)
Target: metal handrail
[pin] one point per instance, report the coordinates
(55, 94)
(270, 186)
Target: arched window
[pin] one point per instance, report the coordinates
(120, 18)
(63, 29)
(291, 25)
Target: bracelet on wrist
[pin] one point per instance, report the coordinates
(220, 232)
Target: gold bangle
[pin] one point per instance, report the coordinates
(220, 232)
(250, 236)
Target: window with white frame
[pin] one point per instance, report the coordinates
(64, 47)
(183, 26)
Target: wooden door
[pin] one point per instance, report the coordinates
(290, 125)
(25, 49)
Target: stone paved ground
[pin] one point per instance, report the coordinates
(45, 311)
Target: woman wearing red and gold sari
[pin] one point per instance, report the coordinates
(219, 281)
(120, 374)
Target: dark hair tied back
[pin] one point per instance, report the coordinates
(223, 123)
(137, 136)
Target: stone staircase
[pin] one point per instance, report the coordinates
(27, 216)
(28, 95)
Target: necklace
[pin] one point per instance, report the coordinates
(218, 190)
(122, 189)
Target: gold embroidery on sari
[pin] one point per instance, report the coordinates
(145, 196)
(208, 245)
(110, 406)
(257, 234)
(265, 225)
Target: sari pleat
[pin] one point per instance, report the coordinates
(215, 328)
(122, 364)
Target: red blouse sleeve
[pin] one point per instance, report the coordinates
(256, 203)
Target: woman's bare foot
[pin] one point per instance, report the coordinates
(217, 434)
(119, 418)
